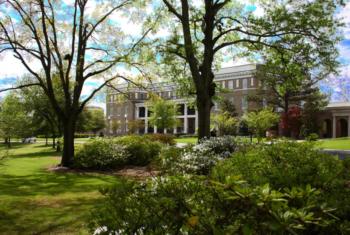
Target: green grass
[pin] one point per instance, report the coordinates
(34, 200)
(186, 140)
(338, 143)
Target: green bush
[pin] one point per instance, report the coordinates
(141, 149)
(292, 164)
(284, 164)
(195, 205)
(101, 154)
(162, 138)
(312, 137)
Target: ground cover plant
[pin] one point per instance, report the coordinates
(282, 188)
(34, 200)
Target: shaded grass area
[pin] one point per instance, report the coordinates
(34, 200)
(338, 143)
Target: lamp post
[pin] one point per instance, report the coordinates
(125, 117)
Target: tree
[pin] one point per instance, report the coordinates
(68, 41)
(135, 125)
(226, 106)
(225, 123)
(115, 125)
(44, 118)
(163, 113)
(313, 104)
(291, 78)
(259, 122)
(203, 30)
(91, 120)
(14, 121)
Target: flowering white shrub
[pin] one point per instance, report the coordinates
(200, 158)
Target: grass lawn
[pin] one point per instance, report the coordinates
(186, 140)
(339, 143)
(36, 201)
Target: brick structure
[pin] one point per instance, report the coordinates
(129, 104)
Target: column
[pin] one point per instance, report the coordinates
(334, 130)
(155, 129)
(185, 120)
(146, 120)
(196, 122)
(349, 125)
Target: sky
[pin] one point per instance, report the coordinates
(337, 86)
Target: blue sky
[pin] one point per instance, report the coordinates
(338, 86)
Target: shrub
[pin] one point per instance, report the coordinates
(312, 137)
(101, 154)
(292, 164)
(284, 164)
(200, 158)
(162, 138)
(141, 149)
(194, 205)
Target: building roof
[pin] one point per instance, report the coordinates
(237, 68)
(339, 105)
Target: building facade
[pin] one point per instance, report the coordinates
(128, 106)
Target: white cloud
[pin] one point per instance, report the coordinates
(12, 67)
(344, 14)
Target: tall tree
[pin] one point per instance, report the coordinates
(71, 41)
(14, 120)
(91, 120)
(291, 78)
(201, 30)
(44, 118)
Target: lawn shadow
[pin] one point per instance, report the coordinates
(47, 183)
(63, 216)
(45, 153)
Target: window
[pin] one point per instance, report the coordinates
(191, 110)
(244, 103)
(237, 83)
(142, 112)
(181, 109)
(230, 84)
(245, 83)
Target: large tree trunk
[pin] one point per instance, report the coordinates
(204, 105)
(68, 143)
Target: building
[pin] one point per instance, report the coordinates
(128, 105)
(335, 120)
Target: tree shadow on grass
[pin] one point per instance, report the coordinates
(44, 153)
(30, 217)
(51, 183)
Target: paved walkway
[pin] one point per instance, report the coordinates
(342, 154)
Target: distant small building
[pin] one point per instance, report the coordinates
(335, 120)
